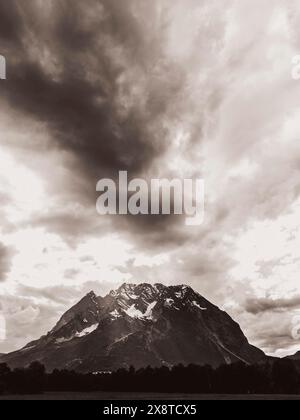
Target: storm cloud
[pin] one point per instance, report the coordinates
(91, 73)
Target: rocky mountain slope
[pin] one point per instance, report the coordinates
(140, 325)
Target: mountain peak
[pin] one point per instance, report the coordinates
(154, 287)
(91, 294)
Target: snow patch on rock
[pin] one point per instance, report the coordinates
(133, 312)
(115, 314)
(169, 302)
(87, 331)
(198, 306)
(63, 340)
(148, 313)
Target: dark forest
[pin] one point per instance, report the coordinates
(273, 377)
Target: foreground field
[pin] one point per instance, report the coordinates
(141, 396)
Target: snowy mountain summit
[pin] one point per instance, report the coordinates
(140, 325)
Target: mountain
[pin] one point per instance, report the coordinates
(140, 325)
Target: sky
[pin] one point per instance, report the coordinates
(167, 88)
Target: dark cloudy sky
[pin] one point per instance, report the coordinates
(160, 88)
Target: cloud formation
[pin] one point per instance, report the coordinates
(162, 89)
(257, 306)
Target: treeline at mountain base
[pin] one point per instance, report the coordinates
(275, 377)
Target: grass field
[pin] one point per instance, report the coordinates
(141, 396)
